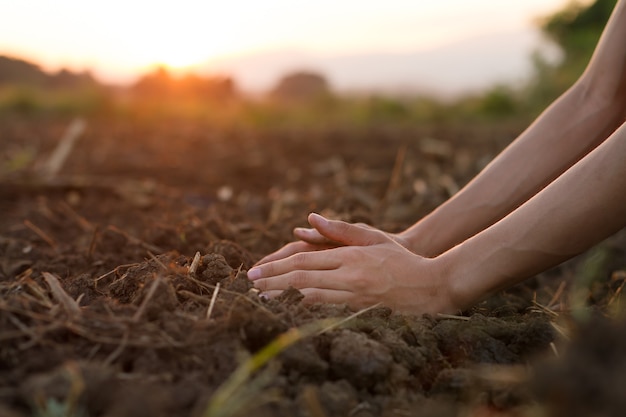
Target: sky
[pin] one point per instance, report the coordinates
(119, 39)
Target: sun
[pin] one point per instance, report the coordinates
(181, 39)
(176, 54)
(180, 59)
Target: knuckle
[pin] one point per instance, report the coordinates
(313, 297)
(342, 227)
(360, 283)
(298, 279)
(374, 237)
(299, 260)
(356, 254)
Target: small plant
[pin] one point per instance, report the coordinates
(69, 407)
(55, 408)
(234, 396)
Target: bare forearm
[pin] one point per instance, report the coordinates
(564, 133)
(572, 126)
(583, 206)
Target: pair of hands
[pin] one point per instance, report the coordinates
(356, 264)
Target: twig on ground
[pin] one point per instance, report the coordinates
(452, 317)
(118, 351)
(201, 284)
(92, 243)
(68, 303)
(553, 347)
(134, 240)
(557, 295)
(80, 298)
(34, 336)
(82, 222)
(619, 289)
(44, 236)
(502, 374)
(193, 296)
(212, 304)
(560, 330)
(34, 291)
(146, 300)
(194, 264)
(545, 309)
(396, 176)
(155, 259)
(117, 268)
(350, 317)
(56, 161)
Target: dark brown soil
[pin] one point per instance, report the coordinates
(101, 316)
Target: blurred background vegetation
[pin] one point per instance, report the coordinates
(303, 98)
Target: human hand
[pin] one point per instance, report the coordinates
(373, 267)
(314, 239)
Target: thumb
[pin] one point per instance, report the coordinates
(345, 233)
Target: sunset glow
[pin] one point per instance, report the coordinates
(120, 39)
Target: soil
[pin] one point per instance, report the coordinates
(103, 314)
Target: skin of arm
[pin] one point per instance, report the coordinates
(576, 123)
(580, 208)
(583, 206)
(550, 195)
(572, 126)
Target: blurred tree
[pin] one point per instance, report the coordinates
(161, 84)
(19, 72)
(498, 102)
(576, 30)
(301, 86)
(387, 109)
(158, 83)
(65, 79)
(214, 87)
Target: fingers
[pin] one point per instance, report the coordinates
(304, 281)
(290, 249)
(310, 240)
(346, 233)
(301, 270)
(311, 236)
(326, 234)
(301, 261)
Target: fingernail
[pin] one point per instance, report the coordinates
(319, 218)
(254, 273)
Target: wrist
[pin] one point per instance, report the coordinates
(420, 240)
(460, 276)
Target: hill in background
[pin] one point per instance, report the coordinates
(14, 71)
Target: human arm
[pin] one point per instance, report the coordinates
(584, 205)
(571, 127)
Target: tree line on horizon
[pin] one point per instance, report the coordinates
(575, 29)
